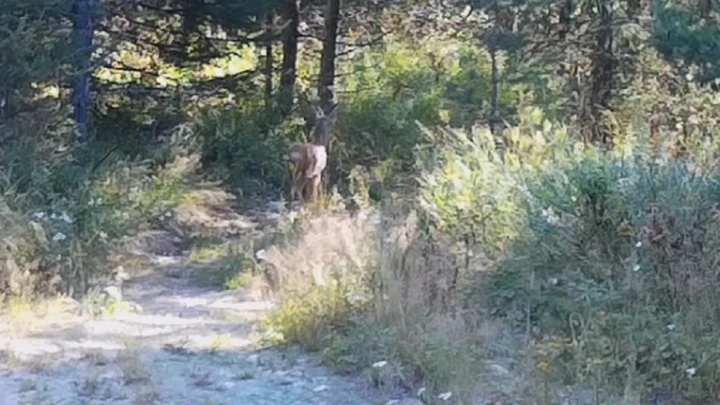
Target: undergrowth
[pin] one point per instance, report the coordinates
(68, 211)
(518, 274)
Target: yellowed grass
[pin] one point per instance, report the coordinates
(381, 274)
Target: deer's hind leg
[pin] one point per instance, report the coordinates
(315, 184)
(297, 185)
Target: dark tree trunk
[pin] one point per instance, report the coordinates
(603, 75)
(565, 18)
(268, 71)
(329, 50)
(291, 18)
(268, 74)
(83, 32)
(494, 120)
(494, 91)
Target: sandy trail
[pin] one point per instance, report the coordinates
(181, 344)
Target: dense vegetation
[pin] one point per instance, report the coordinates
(533, 184)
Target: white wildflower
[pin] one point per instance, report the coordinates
(553, 281)
(691, 371)
(113, 292)
(421, 391)
(103, 235)
(638, 244)
(380, 364)
(550, 216)
(59, 236)
(671, 326)
(355, 298)
(636, 267)
(66, 218)
(445, 396)
(38, 215)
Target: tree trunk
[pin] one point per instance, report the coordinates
(327, 61)
(494, 119)
(268, 70)
(268, 75)
(603, 75)
(291, 18)
(83, 38)
(494, 90)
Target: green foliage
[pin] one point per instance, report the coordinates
(32, 48)
(249, 152)
(69, 207)
(438, 81)
(611, 252)
(604, 254)
(680, 36)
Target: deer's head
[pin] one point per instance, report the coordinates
(324, 122)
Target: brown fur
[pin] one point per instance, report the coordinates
(309, 160)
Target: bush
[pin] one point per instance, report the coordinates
(605, 259)
(65, 210)
(615, 257)
(358, 288)
(246, 149)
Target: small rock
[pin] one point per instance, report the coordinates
(276, 206)
(407, 401)
(499, 370)
(286, 381)
(321, 388)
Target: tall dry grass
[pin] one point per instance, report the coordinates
(375, 293)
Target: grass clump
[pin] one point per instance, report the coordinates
(339, 292)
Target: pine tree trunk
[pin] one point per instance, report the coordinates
(269, 63)
(82, 38)
(291, 17)
(603, 75)
(327, 61)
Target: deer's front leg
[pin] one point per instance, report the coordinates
(315, 181)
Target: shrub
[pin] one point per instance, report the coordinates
(615, 258)
(357, 287)
(67, 209)
(604, 258)
(246, 149)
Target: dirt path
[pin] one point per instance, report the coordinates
(181, 345)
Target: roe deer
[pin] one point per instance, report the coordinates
(309, 160)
